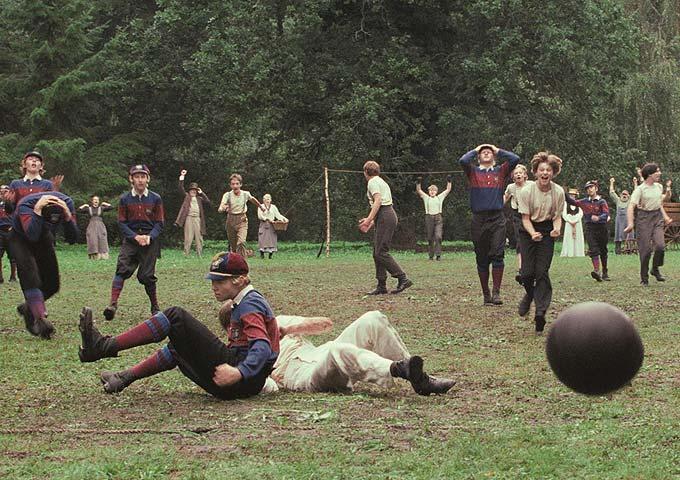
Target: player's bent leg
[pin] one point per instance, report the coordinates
(373, 331)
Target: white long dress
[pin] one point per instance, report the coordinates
(573, 246)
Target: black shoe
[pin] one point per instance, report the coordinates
(379, 290)
(524, 305)
(110, 311)
(644, 283)
(605, 276)
(262, 255)
(518, 278)
(439, 257)
(496, 298)
(596, 275)
(2, 280)
(402, 285)
(430, 258)
(115, 382)
(29, 321)
(411, 369)
(657, 274)
(539, 321)
(12, 279)
(94, 345)
(437, 386)
(46, 328)
(488, 300)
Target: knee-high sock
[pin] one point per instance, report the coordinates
(159, 361)
(153, 330)
(150, 289)
(116, 288)
(497, 274)
(484, 281)
(604, 263)
(596, 263)
(36, 302)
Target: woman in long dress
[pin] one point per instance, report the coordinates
(621, 216)
(573, 244)
(97, 237)
(267, 238)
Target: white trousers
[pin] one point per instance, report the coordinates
(364, 351)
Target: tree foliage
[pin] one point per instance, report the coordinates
(277, 89)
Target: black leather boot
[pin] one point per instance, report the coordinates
(94, 345)
(115, 382)
(402, 284)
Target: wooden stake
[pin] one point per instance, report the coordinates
(328, 213)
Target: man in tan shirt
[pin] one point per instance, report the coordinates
(235, 203)
(540, 204)
(649, 224)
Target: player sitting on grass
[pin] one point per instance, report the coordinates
(237, 369)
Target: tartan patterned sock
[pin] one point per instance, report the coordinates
(153, 330)
(116, 288)
(157, 362)
(36, 302)
(497, 275)
(596, 264)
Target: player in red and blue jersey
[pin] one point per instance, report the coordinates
(487, 185)
(32, 246)
(5, 228)
(596, 216)
(140, 219)
(32, 167)
(237, 369)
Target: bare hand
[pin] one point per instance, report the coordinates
(554, 233)
(141, 240)
(225, 313)
(635, 181)
(57, 181)
(183, 173)
(365, 224)
(668, 220)
(628, 229)
(64, 207)
(537, 236)
(669, 183)
(226, 375)
(611, 181)
(594, 218)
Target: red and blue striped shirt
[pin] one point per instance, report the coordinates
(141, 214)
(30, 225)
(488, 185)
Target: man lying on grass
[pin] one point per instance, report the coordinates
(237, 369)
(368, 350)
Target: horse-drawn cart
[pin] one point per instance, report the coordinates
(672, 232)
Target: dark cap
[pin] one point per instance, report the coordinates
(226, 265)
(140, 168)
(486, 146)
(592, 183)
(193, 186)
(34, 153)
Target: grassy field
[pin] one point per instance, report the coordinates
(507, 417)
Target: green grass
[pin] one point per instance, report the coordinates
(508, 417)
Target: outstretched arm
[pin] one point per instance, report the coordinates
(308, 326)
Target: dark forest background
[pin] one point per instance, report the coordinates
(277, 89)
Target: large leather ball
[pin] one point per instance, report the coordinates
(594, 348)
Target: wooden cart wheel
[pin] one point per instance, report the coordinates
(671, 236)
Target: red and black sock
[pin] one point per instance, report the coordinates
(153, 330)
